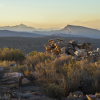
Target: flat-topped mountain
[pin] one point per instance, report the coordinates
(80, 31)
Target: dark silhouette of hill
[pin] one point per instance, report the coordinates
(27, 44)
(7, 33)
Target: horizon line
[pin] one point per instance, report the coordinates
(48, 28)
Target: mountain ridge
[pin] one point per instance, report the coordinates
(23, 27)
(67, 31)
(81, 31)
(8, 33)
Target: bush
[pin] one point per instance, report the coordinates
(60, 75)
(33, 53)
(69, 74)
(35, 58)
(89, 85)
(54, 91)
(12, 55)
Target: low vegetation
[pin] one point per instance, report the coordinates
(57, 75)
(11, 55)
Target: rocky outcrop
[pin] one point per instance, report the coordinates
(74, 48)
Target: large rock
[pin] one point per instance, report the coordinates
(48, 47)
(78, 53)
(73, 48)
(11, 78)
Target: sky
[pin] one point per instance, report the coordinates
(50, 13)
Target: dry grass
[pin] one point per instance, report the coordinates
(60, 75)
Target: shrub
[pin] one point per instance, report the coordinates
(61, 75)
(34, 59)
(69, 74)
(12, 55)
(53, 90)
(33, 53)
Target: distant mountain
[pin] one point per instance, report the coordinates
(25, 28)
(79, 31)
(7, 33)
(20, 27)
(68, 31)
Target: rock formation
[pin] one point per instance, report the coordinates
(74, 48)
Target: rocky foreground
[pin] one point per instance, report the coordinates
(15, 86)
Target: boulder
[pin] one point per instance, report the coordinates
(48, 47)
(78, 53)
(11, 78)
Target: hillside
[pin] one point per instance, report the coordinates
(30, 44)
(7, 33)
(80, 31)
